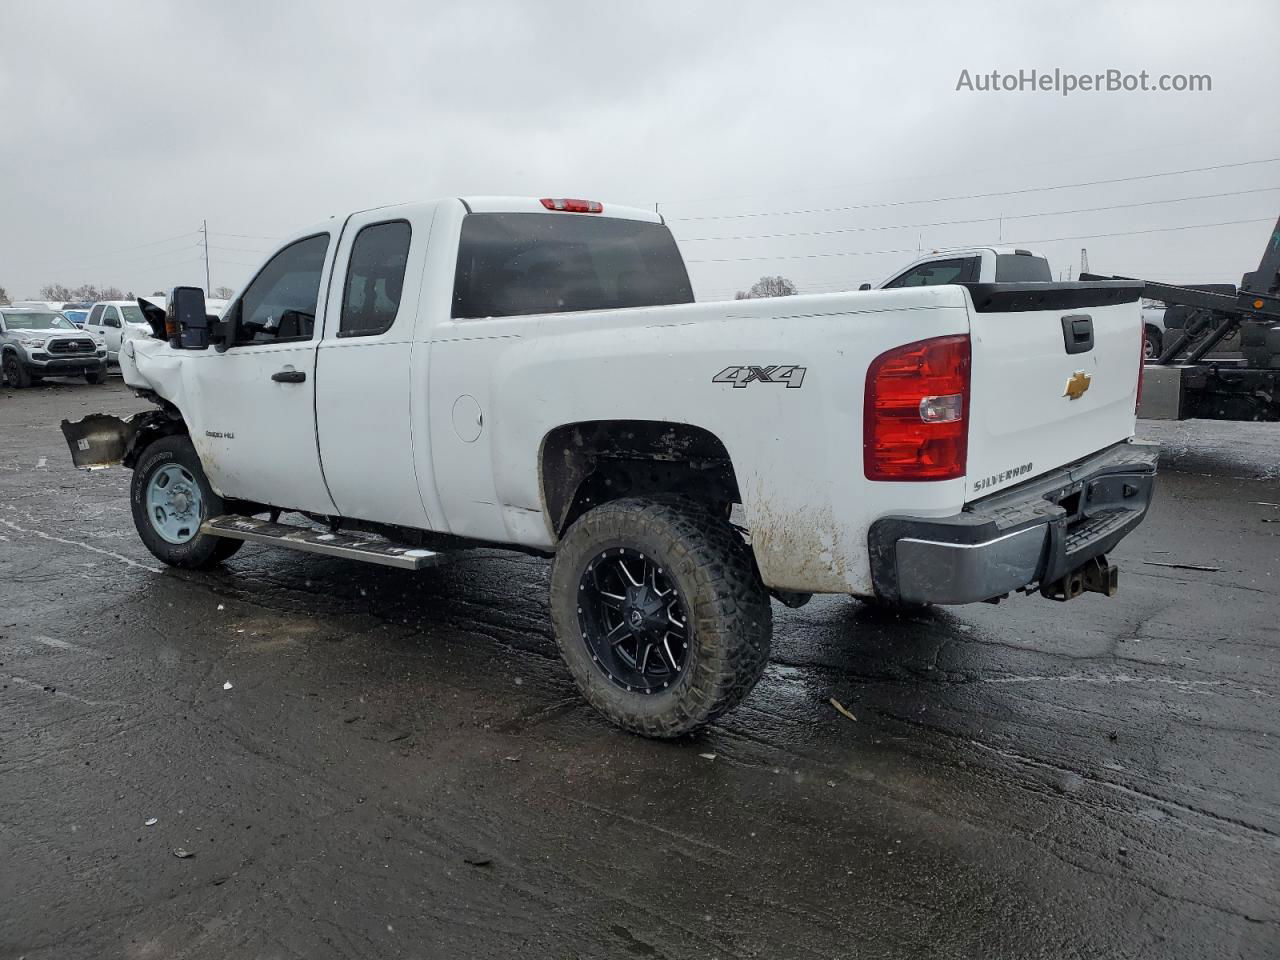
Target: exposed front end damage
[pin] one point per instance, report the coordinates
(101, 440)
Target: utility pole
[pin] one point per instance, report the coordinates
(1084, 260)
(204, 232)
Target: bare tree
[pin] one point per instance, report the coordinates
(4, 295)
(84, 293)
(768, 287)
(55, 291)
(223, 293)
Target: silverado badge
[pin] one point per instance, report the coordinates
(1077, 385)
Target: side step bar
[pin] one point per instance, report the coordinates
(349, 546)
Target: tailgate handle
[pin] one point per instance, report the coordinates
(1077, 332)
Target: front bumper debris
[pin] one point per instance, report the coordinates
(101, 440)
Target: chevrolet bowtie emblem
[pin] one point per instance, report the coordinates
(1077, 385)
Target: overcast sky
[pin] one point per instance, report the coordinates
(126, 123)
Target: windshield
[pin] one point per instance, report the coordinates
(133, 314)
(74, 315)
(37, 321)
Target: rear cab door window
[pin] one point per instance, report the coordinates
(375, 279)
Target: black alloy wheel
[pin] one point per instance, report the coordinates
(633, 621)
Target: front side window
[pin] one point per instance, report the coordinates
(511, 264)
(375, 278)
(280, 303)
(936, 273)
(111, 318)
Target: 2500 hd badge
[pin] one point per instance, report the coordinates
(1001, 477)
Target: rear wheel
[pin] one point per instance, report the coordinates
(659, 614)
(1153, 344)
(16, 373)
(171, 497)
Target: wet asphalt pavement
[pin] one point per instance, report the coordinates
(401, 766)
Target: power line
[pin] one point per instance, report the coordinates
(980, 196)
(241, 236)
(115, 254)
(238, 250)
(1074, 158)
(953, 223)
(1084, 236)
(237, 263)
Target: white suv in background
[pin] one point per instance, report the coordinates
(115, 321)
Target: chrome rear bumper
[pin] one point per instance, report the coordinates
(1035, 533)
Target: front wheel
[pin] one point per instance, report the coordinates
(96, 377)
(171, 497)
(16, 373)
(659, 614)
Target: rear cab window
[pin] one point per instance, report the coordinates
(1022, 268)
(514, 264)
(937, 272)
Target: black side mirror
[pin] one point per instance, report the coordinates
(865, 286)
(186, 323)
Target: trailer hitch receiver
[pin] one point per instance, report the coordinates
(1093, 576)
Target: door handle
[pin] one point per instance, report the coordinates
(289, 376)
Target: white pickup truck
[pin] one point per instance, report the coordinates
(535, 373)
(970, 265)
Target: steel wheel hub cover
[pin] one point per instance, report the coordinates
(174, 504)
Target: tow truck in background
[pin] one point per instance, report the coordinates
(1220, 357)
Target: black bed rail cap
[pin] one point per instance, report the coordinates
(1019, 297)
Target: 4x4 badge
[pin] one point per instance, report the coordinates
(740, 376)
(1077, 385)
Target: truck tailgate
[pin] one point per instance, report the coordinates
(1054, 376)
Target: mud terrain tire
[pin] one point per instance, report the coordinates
(726, 609)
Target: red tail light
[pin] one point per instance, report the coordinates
(573, 206)
(916, 412)
(1142, 367)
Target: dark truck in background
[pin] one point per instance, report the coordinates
(1220, 358)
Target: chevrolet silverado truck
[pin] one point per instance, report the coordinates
(417, 379)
